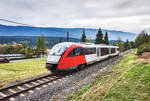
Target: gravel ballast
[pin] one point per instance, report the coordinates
(58, 90)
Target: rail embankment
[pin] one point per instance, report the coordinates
(126, 81)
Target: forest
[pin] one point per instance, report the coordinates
(32, 40)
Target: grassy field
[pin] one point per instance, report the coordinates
(129, 80)
(11, 72)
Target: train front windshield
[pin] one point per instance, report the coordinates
(57, 50)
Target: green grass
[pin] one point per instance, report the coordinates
(11, 72)
(129, 80)
(134, 85)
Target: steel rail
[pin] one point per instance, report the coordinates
(53, 77)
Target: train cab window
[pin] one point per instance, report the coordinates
(57, 50)
(76, 52)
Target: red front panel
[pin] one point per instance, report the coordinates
(66, 62)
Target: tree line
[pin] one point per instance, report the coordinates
(101, 39)
(32, 40)
(24, 48)
(142, 43)
(123, 46)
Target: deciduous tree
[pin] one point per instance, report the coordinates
(29, 52)
(141, 39)
(25, 44)
(120, 44)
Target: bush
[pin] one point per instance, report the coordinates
(143, 48)
(22, 51)
(29, 52)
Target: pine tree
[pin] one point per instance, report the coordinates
(120, 44)
(106, 39)
(43, 46)
(59, 41)
(38, 47)
(99, 37)
(127, 45)
(83, 37)
(132, 44)
(67, 36)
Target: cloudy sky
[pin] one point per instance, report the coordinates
(125, 15)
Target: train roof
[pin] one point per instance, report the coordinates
(68, 44)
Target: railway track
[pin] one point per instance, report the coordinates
(8, 93)
(28, 86)
(19, 89)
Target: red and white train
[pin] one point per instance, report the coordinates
(70, 55)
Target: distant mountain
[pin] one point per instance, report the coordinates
(61, 32)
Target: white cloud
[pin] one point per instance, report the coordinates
(126, 15)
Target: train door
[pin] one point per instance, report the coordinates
(98, 52)
(74, 58)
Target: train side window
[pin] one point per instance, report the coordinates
(90, 50)
(72, 53)
(87, 51)
(84, 51)
(113, 50)
(94, 50)
(76, 52)
(104, 51)
(81, 51)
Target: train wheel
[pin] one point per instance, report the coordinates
(54, 71)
